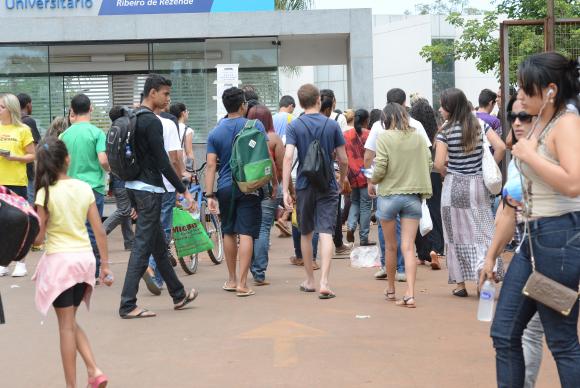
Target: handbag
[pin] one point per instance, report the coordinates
(425, 224)
(491, 173)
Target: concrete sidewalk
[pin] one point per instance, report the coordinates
(280, 337)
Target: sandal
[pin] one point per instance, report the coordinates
(406, 302)
(100, 381)
(189, 298)
(228, 289)
(390, 295)
(144, 313)
(462, 293)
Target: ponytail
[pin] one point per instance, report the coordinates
(51, 154)
(360, 116)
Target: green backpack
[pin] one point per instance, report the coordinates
(250, 162)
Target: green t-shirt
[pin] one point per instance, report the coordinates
(84, 142)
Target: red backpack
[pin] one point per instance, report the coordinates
(19, 226)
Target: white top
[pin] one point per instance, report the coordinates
(377, 128)
(188, 130)
(171, 142)
(341, 121)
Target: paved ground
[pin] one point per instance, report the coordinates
(278, 338)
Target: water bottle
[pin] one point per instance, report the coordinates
(486, 300)
(185, 204)
(128, 152)
(367, 172)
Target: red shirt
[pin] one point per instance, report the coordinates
(355, 150)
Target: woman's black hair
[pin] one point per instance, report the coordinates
(326, 99)
(177, 109)
(539, 70)
(422, 111)
(51, 156)
(360, 117)
(509, 108)
(375, 116)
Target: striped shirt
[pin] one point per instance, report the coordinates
(460, 162)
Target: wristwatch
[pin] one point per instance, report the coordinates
(210, 195)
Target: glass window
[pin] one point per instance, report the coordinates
(24, 69)
(443, 74)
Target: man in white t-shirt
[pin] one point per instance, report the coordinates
(175, 152)
(396, 96)
(284, 116)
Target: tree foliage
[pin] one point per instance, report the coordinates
(292, 5)
(479, 39)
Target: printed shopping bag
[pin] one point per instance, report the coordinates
(189, 234)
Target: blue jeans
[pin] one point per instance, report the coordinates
(31, 193)
(262, 243)
(400, 259)
(100, 202)
(298, 248)
(556, 243)
(167, 205)
(360, 210)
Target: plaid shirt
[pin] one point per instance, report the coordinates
(355, 150)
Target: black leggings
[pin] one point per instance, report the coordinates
(71, 297)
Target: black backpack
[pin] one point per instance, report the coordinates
(121, 150)
(315, 166)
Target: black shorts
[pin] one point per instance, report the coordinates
(246, 215)
(316, 212)
(71, 297)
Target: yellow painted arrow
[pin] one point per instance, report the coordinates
(284, 333)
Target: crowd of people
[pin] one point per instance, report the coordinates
(333, 173)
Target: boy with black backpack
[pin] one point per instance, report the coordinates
(317, 138)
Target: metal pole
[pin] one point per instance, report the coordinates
(2, 320)
(549, 27)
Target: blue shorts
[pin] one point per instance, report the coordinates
(246, 216)
(404, 205)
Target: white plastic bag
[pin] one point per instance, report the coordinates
(425, 224)
(365, 257)
(491, 173)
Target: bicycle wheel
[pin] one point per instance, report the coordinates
(189, 264)
(212, 227)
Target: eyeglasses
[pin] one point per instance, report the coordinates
(522, 116)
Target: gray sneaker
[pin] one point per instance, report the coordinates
(401, 277)
(381, 274)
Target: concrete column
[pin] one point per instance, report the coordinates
(360, 60)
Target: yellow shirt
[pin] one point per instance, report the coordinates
(14, 138)
(68, 205)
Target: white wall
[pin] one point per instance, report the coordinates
(397, 63)
(472, 81)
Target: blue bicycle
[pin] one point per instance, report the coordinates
(209, 221)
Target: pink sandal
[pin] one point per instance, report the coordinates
(100, 381)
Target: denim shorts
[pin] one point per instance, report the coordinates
(403, 205)
(246, 216)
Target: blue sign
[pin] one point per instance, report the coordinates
(141, 7)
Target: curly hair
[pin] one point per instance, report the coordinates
(422, 111)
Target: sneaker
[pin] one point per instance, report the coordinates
(367, 243)
(3, 271)
(401, 277)
(19, 270)
(381, 274)
(315, 266)
(296, 261)
(342, 251)
(152, 286)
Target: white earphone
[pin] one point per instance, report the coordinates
(550, 92)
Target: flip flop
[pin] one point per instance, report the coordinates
(306, 289)
(390, 296)
(247, 293)
(259, 283)
(406, 302)
(228, 289)
(326, 295)
(144, 313)
(462, 293)
(189, 298)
